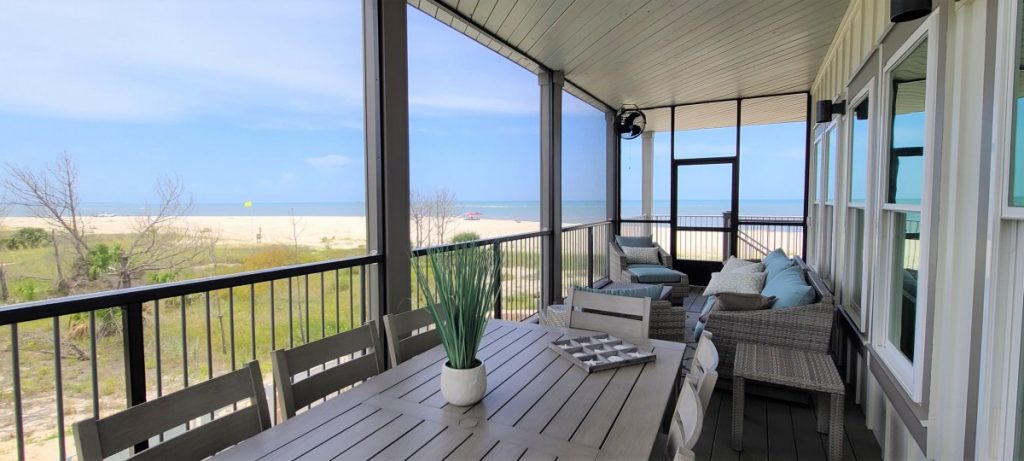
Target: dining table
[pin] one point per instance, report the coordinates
(538, 405)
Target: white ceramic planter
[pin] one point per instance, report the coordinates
(463, 387)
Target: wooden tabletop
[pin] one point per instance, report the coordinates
(537, 406)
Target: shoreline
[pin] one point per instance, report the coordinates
(343, 232)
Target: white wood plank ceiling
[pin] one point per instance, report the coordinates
(656, 52)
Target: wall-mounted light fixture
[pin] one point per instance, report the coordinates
(826, 110)
(908, 10)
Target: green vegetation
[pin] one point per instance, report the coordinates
(463, 237)
(27, 237)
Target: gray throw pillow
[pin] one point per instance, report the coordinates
(641, 255)
(739, 302)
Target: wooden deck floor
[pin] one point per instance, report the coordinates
(775, 429)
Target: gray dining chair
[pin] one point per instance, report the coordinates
(616, 315)
(304, 374)
(97, 439)
(409, 334)
(706, 361)
(687, 422)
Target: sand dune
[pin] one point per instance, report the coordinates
(346, 231)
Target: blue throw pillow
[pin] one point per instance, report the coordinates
(789, 288)
(644, 241)
(650, 291)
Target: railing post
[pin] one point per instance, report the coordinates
(590, 256)
(134, 359)
(726, 236)
(497, 280)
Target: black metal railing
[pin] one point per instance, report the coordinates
(701, 237)
(95, 354)
(585, 254)
(519, 295)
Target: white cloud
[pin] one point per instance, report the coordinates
(146, 60)
(329, 160)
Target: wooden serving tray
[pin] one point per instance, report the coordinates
(600, 352)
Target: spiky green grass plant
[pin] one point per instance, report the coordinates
(461, 290)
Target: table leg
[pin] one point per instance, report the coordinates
(737, 412)
(835, 429)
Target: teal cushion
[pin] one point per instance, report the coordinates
(645, 241)
(776, 262)
(650, 273)
(698, 329)
(650, 291)
(789, 288)
(777, 254)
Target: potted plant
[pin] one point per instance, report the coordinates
(461, 291)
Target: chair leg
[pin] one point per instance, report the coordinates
(836, 430)
(738, 384)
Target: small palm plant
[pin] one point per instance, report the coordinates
(461, 290)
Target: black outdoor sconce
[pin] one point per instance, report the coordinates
(826, 110)
(909, 10)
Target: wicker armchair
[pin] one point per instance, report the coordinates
(806, 327)
(618, 271)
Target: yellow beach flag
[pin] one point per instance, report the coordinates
(247, 204)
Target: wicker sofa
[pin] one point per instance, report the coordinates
(668, 322)
(807, 327)
(619, 271)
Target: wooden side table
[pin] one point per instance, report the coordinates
(811, 371)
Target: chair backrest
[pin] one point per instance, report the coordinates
(687, 421)
(97, 439)
(705, 387)
(616, 315)
(705, 358)
(403, 341)
(303, 374)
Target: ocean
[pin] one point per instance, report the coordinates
(573, 211)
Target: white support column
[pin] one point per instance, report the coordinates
(647, 178)
(551, 83)
(386, 93)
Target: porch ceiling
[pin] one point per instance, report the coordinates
(658, 52)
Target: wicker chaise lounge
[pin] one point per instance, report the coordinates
(622, 272)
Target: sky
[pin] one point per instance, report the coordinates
(262, 101)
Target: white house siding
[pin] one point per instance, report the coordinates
(950, 405)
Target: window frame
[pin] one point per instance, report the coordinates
(826, 243)
(910, 374)
(859, 313)
(1000, 370)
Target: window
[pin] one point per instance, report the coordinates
(855, 211)
(1016, 198)
(827, 176)
(906, 259)
(903, 221)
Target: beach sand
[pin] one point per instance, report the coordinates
(346, 231)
